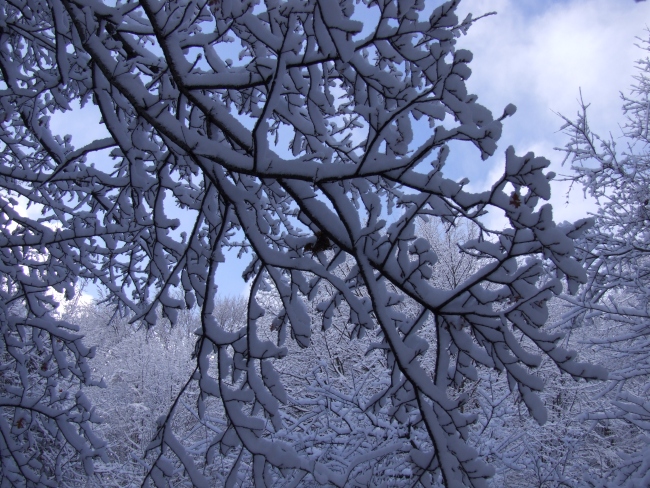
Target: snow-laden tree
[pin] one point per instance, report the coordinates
(143, 368)
(615, 301)
(296, 154)
(522, 452)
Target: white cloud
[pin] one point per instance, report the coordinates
(542, 58)
(539, 55)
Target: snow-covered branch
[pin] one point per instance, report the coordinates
(304, 146)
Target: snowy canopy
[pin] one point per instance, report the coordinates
(316, 152)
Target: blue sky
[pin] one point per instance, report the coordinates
(536, 54)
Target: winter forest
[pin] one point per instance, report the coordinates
(390, 335)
